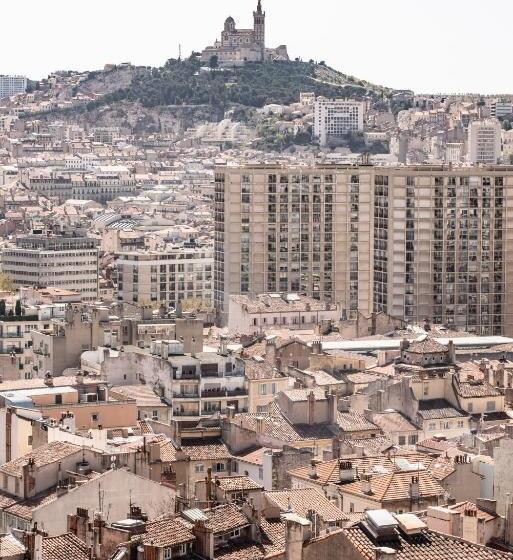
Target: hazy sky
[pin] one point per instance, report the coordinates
(433, 46)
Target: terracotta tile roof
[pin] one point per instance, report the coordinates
(24, 509)
(199, 450)
(436, 409)
(10, 546)
(272, 542)
(474, 389)
(254, 457)
(393, 422)
(426, 546)
(328, 472)
(222, 519)
(44, 455)
(304, 499)
(167, 451)
(361, 377)
(481, 514)
(167, 533)
(427, 346)
(354, 422)
(436, 444)
(143, 394)
(396, 486)
(301, 395)
(7, 500)
(372, 446)
(64, 547)
(255, 369)
(234, 483)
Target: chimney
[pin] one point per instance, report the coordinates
(346, 472)
(295, 534)
(366, 484)
(270, 351)
(333, 408)
(451, 352)
(470, 528)
(193, 347)
(208, 485)
(508, 532)
(414, 488)
(204, 540)
(313, 469)
(311, 408)
(259, 421)
(154, 449)
(385, 553)
(223, 346)
(343, 405)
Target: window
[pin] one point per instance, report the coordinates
(263, 389)
(155, 414)
(220, 467)
(4, 483)
(412, 440)
(432, 426)
(260, 473)
(58, 399)
(168, 553)
(95, 417)
(351, 507)
(199, 468)
(470, 407)
(490, 406)
(402, 440)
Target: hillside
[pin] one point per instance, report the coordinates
(181, 82)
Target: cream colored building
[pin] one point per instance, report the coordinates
(412, 242)
(168, 276)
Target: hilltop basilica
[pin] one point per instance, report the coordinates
(238, 46)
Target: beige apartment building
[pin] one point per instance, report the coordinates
(413, 242)
(168, 276)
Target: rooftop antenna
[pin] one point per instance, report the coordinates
(179, 51)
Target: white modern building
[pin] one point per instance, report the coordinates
(12, 85)
(484, 141)
(66, 262)
(335, 118)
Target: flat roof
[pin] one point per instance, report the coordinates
(395, 344)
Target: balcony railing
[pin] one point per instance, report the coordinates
(185, 395)
(185, 413)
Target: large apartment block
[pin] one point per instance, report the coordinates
(61, 261)
(413, 242)
(178, 273)
(12, 85)
(335, 118)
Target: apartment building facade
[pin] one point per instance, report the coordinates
(12, 85)
(413, 242)
(61, 261)
(178, 273)
(484, 141)
(335, 118)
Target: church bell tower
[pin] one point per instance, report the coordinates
(259, 27)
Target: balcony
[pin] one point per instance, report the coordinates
(11, 335)
(213, 393)
(185, 375)
(185, 395)
(182, 413)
